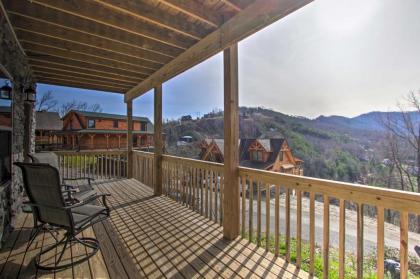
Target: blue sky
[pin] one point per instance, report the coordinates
(332, 57)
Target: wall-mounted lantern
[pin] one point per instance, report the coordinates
(6, 91)
(30, 94)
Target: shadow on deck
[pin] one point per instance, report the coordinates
(147, 236)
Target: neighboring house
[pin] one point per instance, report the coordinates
(184, 140)
(266, 154)
(5, 116)
(47, 126)
(95, 130)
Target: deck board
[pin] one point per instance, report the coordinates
(148, 237)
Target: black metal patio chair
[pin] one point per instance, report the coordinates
(43, 187)
(77, 193)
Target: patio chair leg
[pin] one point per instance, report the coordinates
(88, 242)
(34, 235)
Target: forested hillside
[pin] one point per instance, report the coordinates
(346, 149)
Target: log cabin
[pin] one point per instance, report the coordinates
(96, 130)
(265, 154)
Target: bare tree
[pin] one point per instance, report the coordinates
(403, 141)
(78, 105)
(46, 102)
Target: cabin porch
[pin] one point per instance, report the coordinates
(147, 236)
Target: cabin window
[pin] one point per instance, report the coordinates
(91, 123)
(115, 124)
(256, 155)
(142, 141)
(143, 126)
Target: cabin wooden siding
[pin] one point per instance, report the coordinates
(75, 121)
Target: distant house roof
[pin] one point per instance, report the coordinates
(99, 131)
(271, 145)
(4, 109)
(110, 115)
(48, 120)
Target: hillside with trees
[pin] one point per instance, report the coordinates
(334, 147)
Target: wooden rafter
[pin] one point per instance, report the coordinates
(59, 51)
(93, 12)
(78, 48)
(143, 10)
(70, 83)
(80, 24)
(72, 59)
(195, 10)
(76, 76)
(52, 65)
(255, 17)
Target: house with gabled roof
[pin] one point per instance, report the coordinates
(267, 154)
(97, 130)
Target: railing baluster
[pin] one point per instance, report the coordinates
(206, 185)
(267, 216)
(287, 211)
(380, 242)
(222, 185)
(193, 187)
(202, 175)
(258, 214)
(299, 228)
(403, 244)
(276, 219)
(243, 196)
(311, 233)
(211, 194)
(251, 208)
(326, 237)
(216, 195)
(342, 239)
(360, 241)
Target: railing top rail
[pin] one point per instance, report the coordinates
(388, 198)
(91, 152)
(143, 153)
(193, 162)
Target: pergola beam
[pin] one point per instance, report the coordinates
(255, 17)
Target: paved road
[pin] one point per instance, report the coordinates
(392, 235)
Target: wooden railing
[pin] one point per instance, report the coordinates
(255, 182)
(199, 186)
(196, 184)
(94, 164)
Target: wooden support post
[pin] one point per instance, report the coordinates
(231, 226)
(130, 139)
(119, 141)
(158, 141)
(107, 141)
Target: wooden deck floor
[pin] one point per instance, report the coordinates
(147, 236)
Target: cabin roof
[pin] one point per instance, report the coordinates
(48, 120)
(272, 145)
(109, 115)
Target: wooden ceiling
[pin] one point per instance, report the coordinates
(119, 45)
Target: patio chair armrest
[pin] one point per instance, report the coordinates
(89, 200)
(45, 206)
(89, 179)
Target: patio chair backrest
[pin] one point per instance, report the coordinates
(45, 158)
(42, 185)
